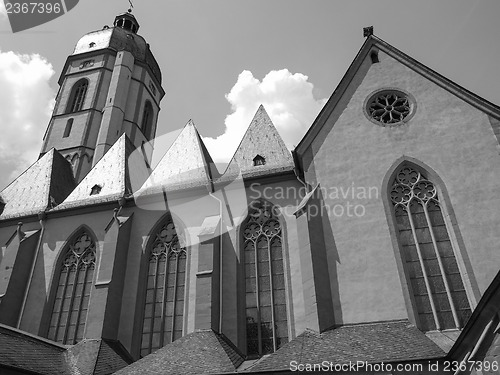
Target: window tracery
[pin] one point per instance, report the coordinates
(75, 280)
(435, 280)
(266, 310)
(166, 280)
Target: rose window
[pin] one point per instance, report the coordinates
(389, 107)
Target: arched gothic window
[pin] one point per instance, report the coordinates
(74, 282)
(77, 96)
(266, 311)
(147, 119)
(166, 280)
(429, 259)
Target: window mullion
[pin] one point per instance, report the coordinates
(153, 305)
(441, 267)
(271, 287)
(77, 323)
(72, 300)
(424, 271)
(63, 296)
(175, 296)
(164, 301)
(257, 292)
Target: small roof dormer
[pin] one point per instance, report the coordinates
(127, 21)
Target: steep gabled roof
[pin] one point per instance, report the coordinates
(372, 343)
(120, 171)
(186, 163)
(374, 43)
(20, 350)
(96, 357)
(261, 140)
(30, 353)
(201, 352)
(44, 184)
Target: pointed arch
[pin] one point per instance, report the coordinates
(166, 275)
(426, 247)
(77, 96)
(263, 256)
(72, 284)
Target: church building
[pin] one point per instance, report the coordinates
(373, 246)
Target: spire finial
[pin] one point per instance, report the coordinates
(367, 31)
(131, 6)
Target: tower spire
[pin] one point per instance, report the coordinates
(98, 102)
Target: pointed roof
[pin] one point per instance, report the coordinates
(372, 343)
(261, 141)
(28, 353)
(120, 171)
(22, 351)
(374, 43)
(44, 184)
(201, 352)
(186, 163)
(96, 357)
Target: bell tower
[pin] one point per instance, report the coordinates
(110, 85)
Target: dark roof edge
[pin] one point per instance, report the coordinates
(452, 87)
(273, 371)
(123, 352)
(16, 369)
(493, 289)
(20, 332)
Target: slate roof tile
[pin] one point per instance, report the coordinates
(45, 183)
(186, 164)
(30, 353)
(202, 352)
(373, 343)
(261, 138)
(26, 352)
(120, 171)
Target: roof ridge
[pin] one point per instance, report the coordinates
(20, 333)
(175, 168)
(413, 64)
(224, 341)
(373, 323)
(260, 109)
(261, 138)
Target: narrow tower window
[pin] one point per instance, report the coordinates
(67, 129)
(77, 96)
(266, 311)
(427, 252)
(166, 280)
(74, 282)
(147, 119)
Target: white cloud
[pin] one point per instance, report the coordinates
(26, 102)
(288, 99)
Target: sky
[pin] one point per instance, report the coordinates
(221, 59)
